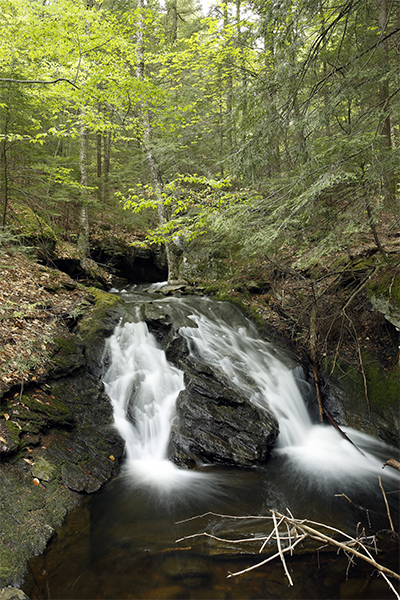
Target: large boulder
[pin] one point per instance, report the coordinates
(216, 424)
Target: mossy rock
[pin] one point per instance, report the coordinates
(384, 294)
(94, 328)
(386, 283)
(43, 469)
(68, 356)
(10, 434)
(34, 231)
(29, 516)
(34, 415)
(377, 415)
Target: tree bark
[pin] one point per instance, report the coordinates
(83, 239)
(384, 95)
(4, 164)
(172, 250)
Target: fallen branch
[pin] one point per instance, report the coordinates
(342, 433)
(295, 532)
(387, 505)
(278, 542)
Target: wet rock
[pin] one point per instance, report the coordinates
(159, 321)
(58, 441)
(216, 423)
(9, 437)
(29, 516)
(69, 356)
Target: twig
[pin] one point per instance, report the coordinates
(358, 289)
(213, 514)
(320, 536)
(387, 505)
(300, 539)
(268, 538)
(218, 539)
(365, 380)
(278, 541)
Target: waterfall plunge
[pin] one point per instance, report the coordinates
(143, 388)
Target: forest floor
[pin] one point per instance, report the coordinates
(334, 294)
(37, 304)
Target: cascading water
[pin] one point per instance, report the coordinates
(143, 387)
(124, 537)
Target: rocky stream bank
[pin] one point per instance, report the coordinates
(56, 437)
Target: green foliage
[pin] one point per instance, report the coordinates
(192, 202)
(283, 119)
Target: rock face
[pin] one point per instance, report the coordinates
(215, 422)
(57, 442)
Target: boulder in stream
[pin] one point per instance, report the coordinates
(217, 424)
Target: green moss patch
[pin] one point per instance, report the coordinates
(386, 283)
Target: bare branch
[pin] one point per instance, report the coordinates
(39, 82)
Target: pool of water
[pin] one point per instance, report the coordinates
(121, 543)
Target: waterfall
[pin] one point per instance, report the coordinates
(143, 388)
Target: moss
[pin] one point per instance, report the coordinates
(68, 354)
(386, 283)
(383, 386)
(44, 410)
(104, 299)
(43, 469)
(383, 395)
(32, 227)
(13, 437)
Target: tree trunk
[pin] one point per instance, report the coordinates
(172, 249)
(83, 239)
(384, 95)
(4, 165)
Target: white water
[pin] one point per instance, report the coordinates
(143, 388)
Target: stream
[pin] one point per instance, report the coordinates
(121, 542)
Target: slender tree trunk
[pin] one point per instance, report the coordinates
(83, 239)
(106, 164)
(174, 35)
(99, 169)
(4, 169)
(384, 95)
(229, 93)
(172, 250)
(4, 164)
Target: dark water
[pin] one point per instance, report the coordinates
(121, 542)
